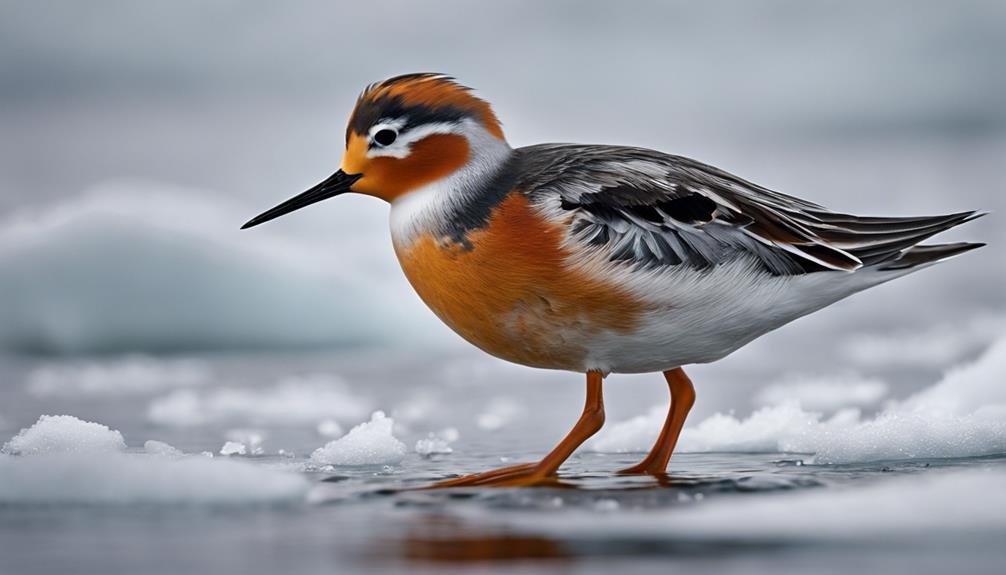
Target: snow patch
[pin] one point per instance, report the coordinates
(961, 416)
(64, 460)
(370, 443)
(64, 434)
(233, 448)
(294, 401)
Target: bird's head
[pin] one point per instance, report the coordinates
(406, 132)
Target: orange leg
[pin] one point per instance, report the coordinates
(682, 399)
(536, 473)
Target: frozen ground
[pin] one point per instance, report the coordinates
(863, 480)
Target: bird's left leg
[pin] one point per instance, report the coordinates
(590, 422)
(682, 399)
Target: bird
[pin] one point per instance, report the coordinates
(599, 259)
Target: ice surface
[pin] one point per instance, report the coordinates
(62, 459)
(122, 478)
(154, 447)
(139, 266)
(126, 375)
(438, 443)
(370, 443)
(962, 415)
(824, 393)
(64, 434)
(294, 401)
(938, 504)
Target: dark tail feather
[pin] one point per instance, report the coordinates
(878, 240)
(922, 255)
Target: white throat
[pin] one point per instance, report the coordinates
(427, 209)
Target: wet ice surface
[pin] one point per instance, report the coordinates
(163, 505)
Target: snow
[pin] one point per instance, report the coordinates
(438, 443)
(370, 443)
(126, 375)
(64, 434)
(64, 460)
(293, 401)
(248, 438)
(233, 448)
(154, 447)
(962, 415)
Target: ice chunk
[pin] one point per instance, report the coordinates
(370, 443)
(154, 447)
(64, 434)
(233, 448)
(963, 415)
(825, 393)
(293, 401)
(252, 438)
(121, 478)
(437, 443)
(128, 375)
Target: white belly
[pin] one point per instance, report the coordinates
(699, 317)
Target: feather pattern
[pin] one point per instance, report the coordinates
(651, 209)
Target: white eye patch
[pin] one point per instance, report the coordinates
(402, 145)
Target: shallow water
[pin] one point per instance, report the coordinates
(713, 512)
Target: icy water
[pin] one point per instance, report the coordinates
(278, 511)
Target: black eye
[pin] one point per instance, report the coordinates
(385, 137)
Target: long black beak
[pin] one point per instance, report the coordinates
(337, 183)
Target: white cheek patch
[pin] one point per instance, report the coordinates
(402, 146)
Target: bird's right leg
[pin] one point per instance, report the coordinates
(528, 474)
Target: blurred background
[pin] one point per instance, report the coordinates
(136, 137)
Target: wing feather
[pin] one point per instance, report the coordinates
(652, 209)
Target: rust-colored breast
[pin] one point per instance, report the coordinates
(511, 294)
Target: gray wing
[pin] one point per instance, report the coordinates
(652, 209)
